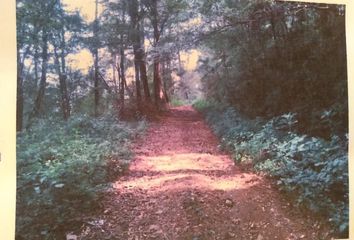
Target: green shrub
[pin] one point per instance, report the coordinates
(203, 105)
(63, 167)
(312, 170)
(177, 102)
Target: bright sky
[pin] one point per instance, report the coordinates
(83, 60)
(86, 8)
(190, 59)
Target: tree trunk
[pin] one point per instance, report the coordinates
(123, 82)
(167, 99)
(115, 69)
(157, 82)
(19, 103)
(166, 80)
(36, 75)
(158, 94)
(114, 64)
(60, 67)
(140, 62)
(143, 71)
(36, 56)
(137, 73)
(63, 83)
(144, 78)
(96, 83)
(135, 35)
(119, 82)
(38, 104)
(19, 100)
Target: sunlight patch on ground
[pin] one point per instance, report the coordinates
(182, 181)
(179, 162)
(184, 171)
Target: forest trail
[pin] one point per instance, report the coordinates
(180, 186)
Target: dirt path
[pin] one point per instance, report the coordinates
(180, 186)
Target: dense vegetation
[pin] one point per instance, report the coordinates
(269, 58)
(63, 167)
(313, 171)
(276, 80)
(273, 76)
(48, 36)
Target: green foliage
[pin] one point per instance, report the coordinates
(177, 102)
(203, 105)
(271, 59)
(268, 58)
(63, 167)
(313, 171)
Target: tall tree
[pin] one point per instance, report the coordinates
(117, 32)
(158, 28)
(45, 23)
(268, 60)
(133, 11)
(23, 48)
(161, 15)
(95, 55)
(65, 36)
(38, 104)
(142, 59)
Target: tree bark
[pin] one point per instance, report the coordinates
(123, 82)
(38, 104)
(143, 71)
(137, 73)
(114, 64)
(140, 61)
(157, 82)
(95, 53)
(96, 83)
(36, 75)
(158, 94)
(63, 84)
(135, 35)
(144, 79)
(60, 67)
(19, 99)
(166, 73)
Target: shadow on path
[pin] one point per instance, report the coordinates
(180, 186)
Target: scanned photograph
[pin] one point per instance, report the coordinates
(181, 120)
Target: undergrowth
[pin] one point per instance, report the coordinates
(313, 171)
(62, 169)
(175, 102)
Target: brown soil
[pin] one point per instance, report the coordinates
(180, 186)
